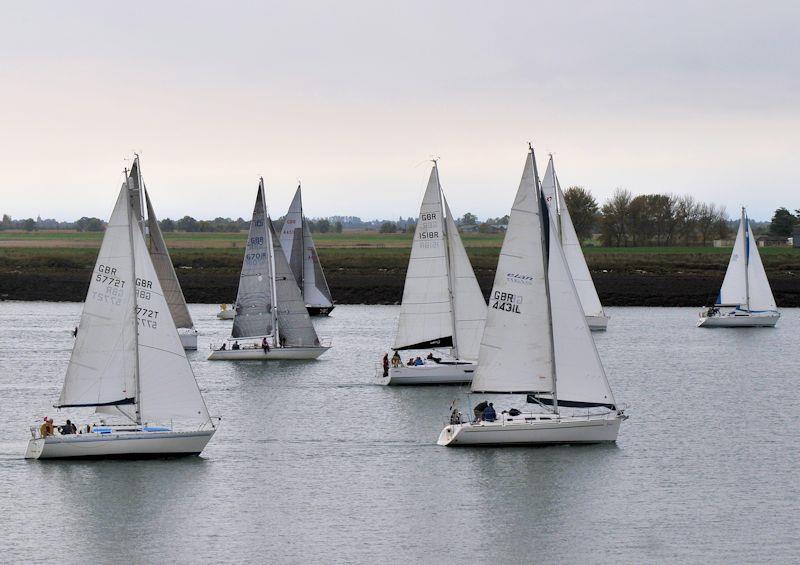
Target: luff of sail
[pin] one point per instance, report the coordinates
(294, 323)
(746, 284)
(469, 307)
(254, 316)
(426, 319)
(298, 246)
(551, 188)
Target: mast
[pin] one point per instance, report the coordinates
(447, 259)
(546, 256)
(135, 311)
(557, 197)
(271, 263)
(140, 196)
(746, 229)
(301, 282)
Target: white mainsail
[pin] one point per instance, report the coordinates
(442, 303)
(298, 246)
(128, 355)
(536, 338)
(570, 243)
(746, 283)
(254, 300)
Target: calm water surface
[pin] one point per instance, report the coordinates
(315, 463)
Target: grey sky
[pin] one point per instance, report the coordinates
(353, 97)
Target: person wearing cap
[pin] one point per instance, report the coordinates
(46, 429)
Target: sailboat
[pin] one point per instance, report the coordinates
(536, 342)
(128, 360)
(162, 262)
(271, 320)
(745, 299)
(298, 245)
(226, 312)
(559, 214)
(443, 306)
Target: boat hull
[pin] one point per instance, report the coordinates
(528, 430)
(597, 323)
(188, 339)
(275, 353)
(119, 445)
(432, 374)
(226, 314)
(319, 310)
(740, 321)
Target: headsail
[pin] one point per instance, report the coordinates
(298, 246)
(576, 261)
(101, 369)
(426, 319)
(294, 324)
(254, 316)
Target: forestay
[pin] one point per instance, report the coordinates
(254, 315)
(426, 319)
(515, 353)
(560, 217)
(294, 324)
(469, 306)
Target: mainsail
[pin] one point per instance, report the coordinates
(570, 243)
(298, 246)
(254, 301)
(442, 303)
(159, 253)
(746, 284)
(128, 354)
(536, 338)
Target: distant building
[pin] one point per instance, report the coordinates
(723, 242)
(772, 241)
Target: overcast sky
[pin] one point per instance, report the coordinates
(353, 97)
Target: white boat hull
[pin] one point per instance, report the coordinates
(188, 338)
(431, 374)
(275, 353)
(227, 314)
(597, 323)
(767, 320)
(119, 444)
(530, 429)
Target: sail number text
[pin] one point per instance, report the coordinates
(506, 301)
(107, 275)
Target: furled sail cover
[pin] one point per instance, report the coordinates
(425, 316)
(101, 369)
(254, 300)
(168, 390)
(570, 243)
(298, 246)
(761, 298)
(294, 324)
(580, 378)
(166, 271)
(468, 303)
(515, 354)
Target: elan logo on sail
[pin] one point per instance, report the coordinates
(517, 278)
(506, 301)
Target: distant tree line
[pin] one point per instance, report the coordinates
(784, 223)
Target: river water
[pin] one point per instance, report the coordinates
(316, 463)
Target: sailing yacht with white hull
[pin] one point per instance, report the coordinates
(159, 254)
(128, 360)
(536, 342)
(745, 299)
(298, 245)
(443, 306)
(271, 320)
(559, 214)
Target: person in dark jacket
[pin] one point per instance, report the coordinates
(385, 364)
(264, 345)
(479, 409)
(489, 414)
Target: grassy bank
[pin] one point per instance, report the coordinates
(366, 267)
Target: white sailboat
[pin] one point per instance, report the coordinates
(745, 299)
(443, 306)
(271, 321)
(159, 254)
(298, 246)
(592, 308)
(128, 360)
(226, 312)
(537, 342)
